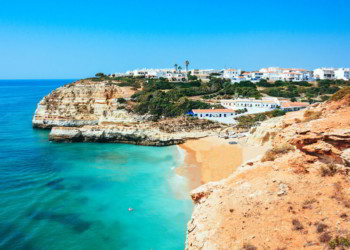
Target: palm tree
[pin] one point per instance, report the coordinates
(175, 66)
(179, 68)
(186, 65)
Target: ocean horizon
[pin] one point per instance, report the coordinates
(77, 195)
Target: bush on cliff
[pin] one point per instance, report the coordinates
(310, 115)
(341, 94)
(249, 121)
(272, 154)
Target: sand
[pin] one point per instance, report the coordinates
(213, 159)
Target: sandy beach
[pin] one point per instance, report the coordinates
(213, 159)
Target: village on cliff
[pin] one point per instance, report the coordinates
(239, 106)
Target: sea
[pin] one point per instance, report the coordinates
(78, 195)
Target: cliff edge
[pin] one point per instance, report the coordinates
(297, 196)
(88, 111)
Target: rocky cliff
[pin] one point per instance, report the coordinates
(297, 196)
(89, 111)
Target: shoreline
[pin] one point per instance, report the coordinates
(213, 159)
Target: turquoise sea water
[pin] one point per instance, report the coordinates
(76, 196)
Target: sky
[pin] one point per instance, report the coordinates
(76, 39)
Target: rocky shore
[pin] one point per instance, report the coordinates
(295, 197)
(87, 111)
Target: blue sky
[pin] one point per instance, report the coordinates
(75, 39)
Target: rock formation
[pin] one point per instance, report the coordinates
(296, 197)
(89, 111)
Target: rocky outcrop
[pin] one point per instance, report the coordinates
(88, 111)
(82, 103)
(264, 134)
(140, 135)
(298, 200)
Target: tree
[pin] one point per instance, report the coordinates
(100, 74)
(186, 65)
(293, 99)
(175, 66)
(179, 68)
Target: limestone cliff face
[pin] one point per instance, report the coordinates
(81, 103)
(264, 134)
(88, 111)
(298, 197)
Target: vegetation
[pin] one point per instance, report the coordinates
(162, 104)
(340, 94)
(121, 100)
(328, 170)
(249, 121)
(272, 154)
(310, 115)
(161, 97)
(339, 242)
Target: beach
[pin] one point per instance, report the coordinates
(213, 159)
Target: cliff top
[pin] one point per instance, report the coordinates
(296, 196)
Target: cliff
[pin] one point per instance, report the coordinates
(296, 196)
(87, 111)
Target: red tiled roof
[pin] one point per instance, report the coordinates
(294, 104)
(213, 110)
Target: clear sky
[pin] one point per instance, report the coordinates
(74, 39)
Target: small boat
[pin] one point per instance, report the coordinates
(130, 209)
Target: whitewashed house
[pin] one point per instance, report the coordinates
(257, 76)
(342, 74)
(324, 73)
(266, 104)
(155, 73)
(296, 75)
(176, 77)
(204, 74)
(219, 115)
(293, 106)
(272, 73)
(231, 73)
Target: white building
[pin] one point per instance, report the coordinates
(155, 73)
(257, 76)
(266, 104)
(293, 106)
(324, 73)
(219, 115)
(238, 79)
(176, 77)
(204, 74)
(296, 75)
(231, 73)
(272, 73)
(342, 74)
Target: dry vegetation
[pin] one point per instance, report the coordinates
(272, 154)
(311, 115)
(341, 94)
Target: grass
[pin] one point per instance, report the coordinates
(311, 115)
(339, 242)
(328, 170)
(272, 154)
(340, 94)
(249, 247)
